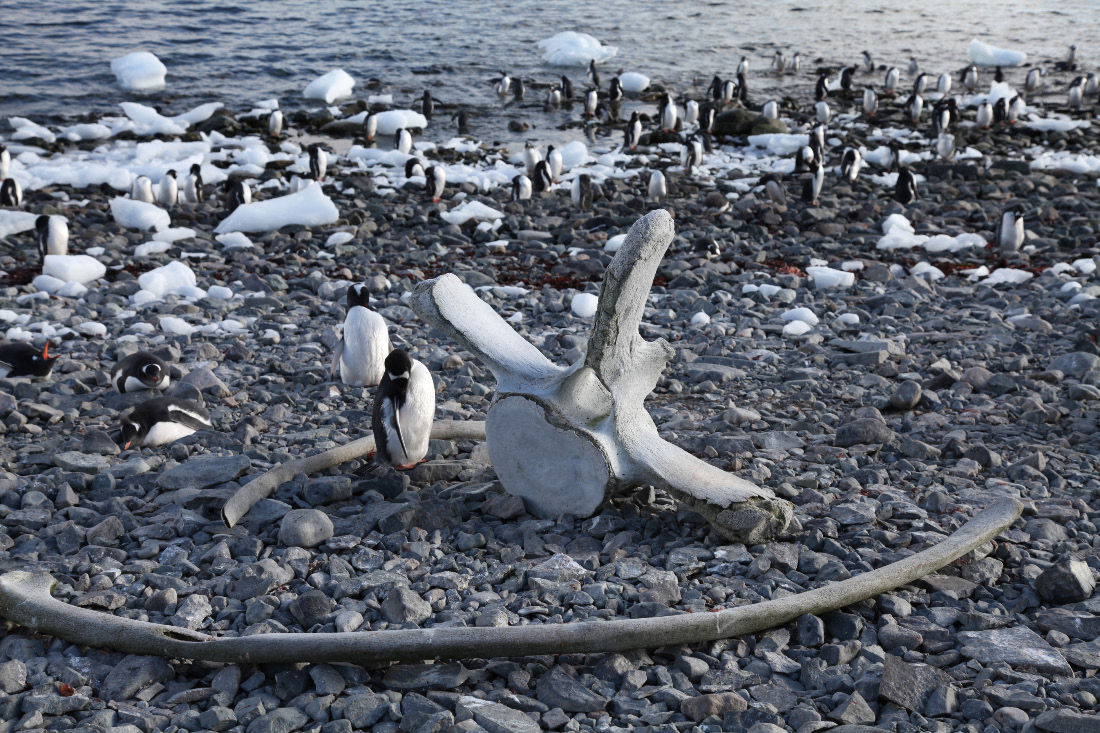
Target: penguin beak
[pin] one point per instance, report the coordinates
(46, 351)
(127, 446)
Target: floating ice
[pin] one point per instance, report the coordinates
(13, 222)
(77, 268)
(140, 71)
(983, 54)
(800, 314)
(1007, 275)
(176, 326)
(175, 277)
(700, 319)
(633, 82)
(584, 305)
(827, 277)
(25, 130)
(138, 214)
(614, 243)
(309, 207)
(796, 328)
(569, 48)
(470, 210)
(334, 85)
(147, 121)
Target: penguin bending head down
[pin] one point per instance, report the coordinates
(20, 359)
(361, 352)
(162, 420)
(139, 371)
(404, 407)
(53, 236)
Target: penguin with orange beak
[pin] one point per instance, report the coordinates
(18, 359)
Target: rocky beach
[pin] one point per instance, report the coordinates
(888, 368)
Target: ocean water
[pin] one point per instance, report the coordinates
(56, 53)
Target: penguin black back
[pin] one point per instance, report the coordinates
(20, 359)
(566, 88)
(905, 190)
(427, 105)
(140, 370)
(357, 296)
(196, 179)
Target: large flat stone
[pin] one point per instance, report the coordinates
(201, 473)
(909, 685)
(1018, 646)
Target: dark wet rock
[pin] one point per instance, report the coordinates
(558, 689)
(133, 674)
(1067, 581)
(909, 685)
(863, 431)
(405, 677)
(305, 528)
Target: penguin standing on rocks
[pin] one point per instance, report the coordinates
(969, 77)
(811, 189)
(770, 110)
(870, 101)
(594, 73)
(633, 131)
(53, 236)
(905, 190)
(404, 407)
(237, 193)
(142, 189)
(893, 76)
(11, 193)
(5, 161)
(162, 420)
(1010, 233)
(427, 105)
(361, 352)
(192, 186)
(850, 163)
(20, 359)
(139, 371)
(370, 128)
(402, 140)
(555, 161)
(413, 167)
(1034, 79)
(318, 162)
(436, 177)
(531, 157)
(168, 191)
(521, 188)
(541, 179)
(868, 62)
(582, 192)
(669, 115)
(591, 101)
(275, 123)
(658, 189)
(985, 116)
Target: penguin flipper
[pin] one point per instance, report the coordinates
(336, 356)
(195, 421)
(397, 423)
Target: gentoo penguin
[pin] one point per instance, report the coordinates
(945, 145)
(804, 158)
(658, 189)
(554, 160)
(742, 89)
(53, 236)
(504, 85)
(779, 61)
(140, 371)
(436, 177)
(162, 420)
(850, 163)
(1091, 84)
(985, 116)
(728, 91)
(1071, 57)
(361, 352)
(594, 73)
(715, 88)
(192, 185)
(846, 78)
(519, 89)
(822, 112)
(553, 97)
(868, 62)
(1074, 93)
(913, 66)
(796, 62)
(893, 76)
(531, 157)
(821, 88)
(770, 110)
(914, 106)
(370, 127)
(427, 105)
(318, 162)
(691, 154)
(142, 189)
(11, 193)
(402, 140)
(633, 131)
(870, 101)
(566, 88)
(811, 189)
(582, 192)
(743, 66)
(691, 112)
(1034, 79)
(413, 167)
(668, 114)
(920, 84)
(893, 156)
(707, 247)
(615, 90)
(1000, 111)
(540, 177)
(5, 162)
(521, 188)
(168, 191)
(969, 77)
(275, 123)
(817, 142)
(403, 410)
(463, 119)
(999, 75)
(706, 124)
(20, 359)
(237, 193)
(591, 100)
(1010, 233)
(774, 190)
(1015, 109)
(905, 190)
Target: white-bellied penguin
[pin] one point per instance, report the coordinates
(811, 188)
(870, 101)
(404, 407)
(370, 128)
(1034, 79)
(1010, 232)
(969, 77)
(658, 189)
(318, 162)
(142, 189)
(413, 167)
(985, 116)
(360, 354)
(531, 157)
(905, 189)
(53, 236)
(521, 188)
(237, 193)
(436, 180)
(581, 192)
(890, 85)
(850, 163)
(540, 177)
(633, 131)
(770, 110)
(402, 140)
(168, 191)
(591, 100)
(162, 420)
(668, 113)
(943, 84)
(140, 371)
(796, 63)
(691, 112)
(192, 185)
(20, 359)
(868, 62)
(11, 193)
(275, 123)
(5, 161)
(779, 61)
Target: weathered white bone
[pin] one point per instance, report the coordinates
(565, 439)
(25, 600)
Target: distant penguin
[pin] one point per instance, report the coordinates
(554, 160)
(594, 73)
(913, 66)
(1071, 57)
(1091, 84)
(893, 76)
(318, 162)
(1034, 79)
(770, 110)
(503, 86)
(846, 78)
(691, 112)
(462, 117)
(850, 163)
(20, 359)
(691, 154)
(142, 190)
(11, 193)
(192, 186)
(413, 167)
(53, 236)
(361, 352)
(914, 106)
(1015, 109)
(742, 89)
(728, 91)
(920, 84)
(668, 114)
(822, 112)
(519, 89)
(553, 97)
(1000, 111)
(566, 88)
(402, 140)
(581, 192)
(540, 177)
(868, 62)
(404, 407)
(531, 157)
(615, 90)
(999, 75)
(779, 61)
(633, 132)
(427, 105)
(140, 371)
(943, 85)
(591, 100)
(811, 189)
(521, 188)
(985, 116)
(237, 193)
(436, 177)
(275, 123)
(370, 127)
(774, 190)
(1073, 95)
(796, 63)
(945, 145)
(870, 101)
(5, 161)
(168, 191)
(1010, 232)
(658, 189)
(821, 87)
(969, 77)
(162, 420)
(905, 190)
(743, 66)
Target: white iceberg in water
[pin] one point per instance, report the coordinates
(139, 215)
(334, 85)
(140, 71)
(633, 82)
(73, 268)
(470, 210)
(309, 207)
(983, 54)
(569, 48)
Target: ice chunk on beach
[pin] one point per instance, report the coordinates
(848, 319)
(338, 238)
(13, 222)
(614, 243)
(470, 210)
(86, 131)
(634, 82)
(779, 143)
(75, 268)
(234, 240)
(570, 48)
(147, 121)
(584, 305)
(983, 54)
(309, 207)
(175, 277)
(334, 85)
(47, 284)
(925, 268)
(796, 328)
(897, 221)
(827, 277)
(176, 326)
(173, 235)
(800, 314)
(25, 129)
(393, 120)
(1007, 275)
(138, 214)
(220, 292)
(700, 319)
(140, 71)
(574, 154)
(151, 248)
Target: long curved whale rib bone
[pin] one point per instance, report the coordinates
(25, 600)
